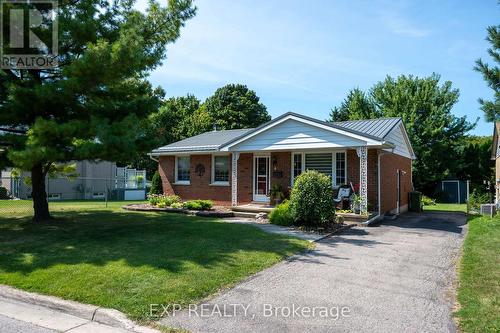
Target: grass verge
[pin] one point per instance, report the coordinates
(479, 290)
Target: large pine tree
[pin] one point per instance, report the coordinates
(94, 104)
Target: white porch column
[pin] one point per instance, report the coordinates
(363, 177)
(234, 179)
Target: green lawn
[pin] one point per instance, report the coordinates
(128, 260)
(444, 207)
(479, 290)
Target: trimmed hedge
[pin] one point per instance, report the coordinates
(311, 200)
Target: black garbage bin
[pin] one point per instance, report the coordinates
(415, 201)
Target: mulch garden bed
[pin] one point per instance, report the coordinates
(216, 211)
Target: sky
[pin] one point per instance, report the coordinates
(304, 56)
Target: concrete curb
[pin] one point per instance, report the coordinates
(94, 313)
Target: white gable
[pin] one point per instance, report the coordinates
(292, 134)
(401, 144)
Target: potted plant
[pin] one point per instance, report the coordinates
(356, 203)
(276, 193)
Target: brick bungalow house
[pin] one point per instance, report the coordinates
(235, 167)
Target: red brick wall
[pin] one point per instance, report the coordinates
(200, 187)
(282, 166)
(353, 174)
(390, 163)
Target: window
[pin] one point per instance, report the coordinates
(182, 169)
(220, 169)
(321, 162)
(54, 196)
(297, 165)
(340, 168)
(97, 195)
(327, 163)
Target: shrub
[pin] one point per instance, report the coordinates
(170, 199)
(156, 185)
(160, 200)
(281, 215)
(477, 198)
(198, 204)
(3, 193)
(426, 201)
(177, 205)
(153, 199)
(311, 200)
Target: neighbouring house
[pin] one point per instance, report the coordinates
(95, 180)
(235, 167)
(495, 155)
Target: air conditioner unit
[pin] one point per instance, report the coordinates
(488, 209)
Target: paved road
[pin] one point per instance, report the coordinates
(395, 277)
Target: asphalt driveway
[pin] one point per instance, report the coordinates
(395, 277)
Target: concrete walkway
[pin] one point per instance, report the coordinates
(22, 311)
(395, 277)
(276, 229)
(18, 316)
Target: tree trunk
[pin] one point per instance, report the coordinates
(38, 194)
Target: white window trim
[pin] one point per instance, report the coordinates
(212, 167)
(177, 181)
(334, 163)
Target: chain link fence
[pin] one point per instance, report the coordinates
(15, 193)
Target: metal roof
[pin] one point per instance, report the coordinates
(204, 142)
(375, 127)
(211, 141)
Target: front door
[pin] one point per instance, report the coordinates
(261, 179)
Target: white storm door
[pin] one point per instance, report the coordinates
(261, 179)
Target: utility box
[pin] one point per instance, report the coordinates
(415, 201)
(488, 210)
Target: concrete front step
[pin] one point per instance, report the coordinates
(355, 219)
(252, 208)
(244, 214)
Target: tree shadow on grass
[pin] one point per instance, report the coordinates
(168, 242)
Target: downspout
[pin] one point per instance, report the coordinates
(379, 215)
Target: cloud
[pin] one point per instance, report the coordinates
(397, 17)
(402, 26)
